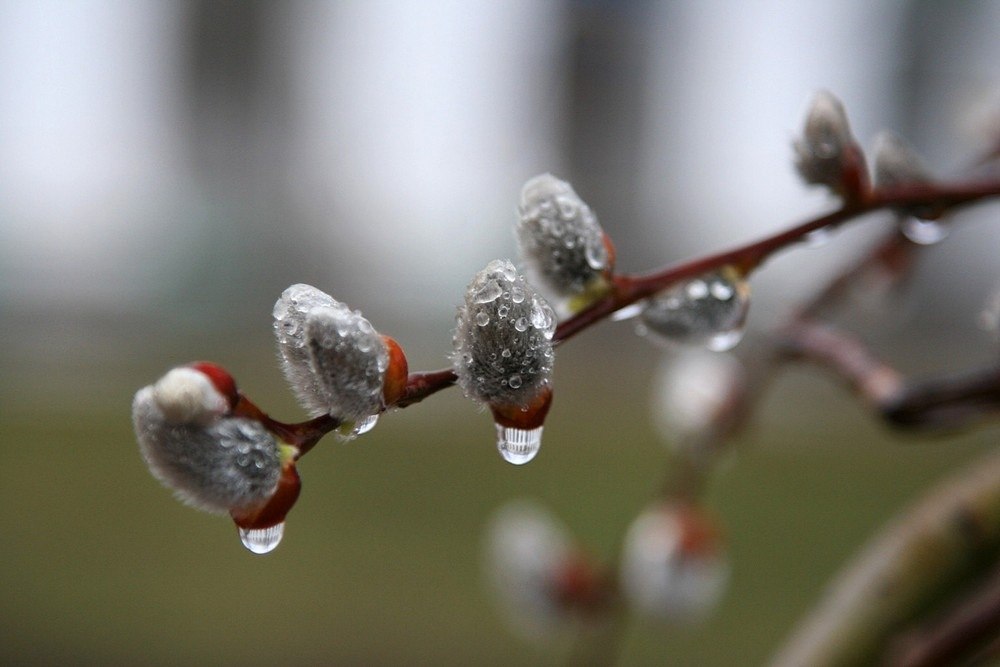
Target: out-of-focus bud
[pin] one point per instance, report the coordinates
(211, 459)
(540, 578)
(896, 163)
(708, 311)
(503, 356)
(565, 251)
(827, 153)
(699, 396)
(673, 565)
(334, 360)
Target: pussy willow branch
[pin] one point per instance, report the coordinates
(628, 289)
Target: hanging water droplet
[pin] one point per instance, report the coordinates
(518, 445)
(488, 292)
(482, 318)
(923, 232)
(709, 311)
(364, 425)
(262, 540)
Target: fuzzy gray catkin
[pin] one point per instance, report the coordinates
(211, 461)
(503, 338)
(332, 357)
(560, 239)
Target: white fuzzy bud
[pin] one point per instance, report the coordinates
(332, 357)
(212, 462)
(525, 547)
(896, 163)
(819, 153)
(672, 564)
(696, 396)
(503, 338)
(561, 241)
(187, 396)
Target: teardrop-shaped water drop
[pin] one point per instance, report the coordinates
(708, 311)
(518, 445)
(923, 232)
(262, 540)
(364, 425)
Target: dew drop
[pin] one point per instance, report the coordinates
(542, 318)
(482, 318)
(518, 445)
(923, 232)
(488, 292)
(517, 294)
(262, 540)
(502, 312)
(364, 425)
(515, 380)
(709, 311)
(596, 255)
(521, 324)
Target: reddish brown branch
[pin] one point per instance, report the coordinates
(849, 358)
(629, 289)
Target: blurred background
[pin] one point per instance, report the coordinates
(168, 168)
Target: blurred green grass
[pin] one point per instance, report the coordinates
(381, 563)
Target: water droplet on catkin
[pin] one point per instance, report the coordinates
(488, 292)
(708, 311)
(262, 540)
(518, 445)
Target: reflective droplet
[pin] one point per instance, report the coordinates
(923, 232)
(709, 311)
(628, 312)
(482, 318)
(262, 540)
(518, 445)
(514, 381)
(596, 255)
(517, 294)
(488, 292)
(521, 324)
(364, 424)
(542, 318)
